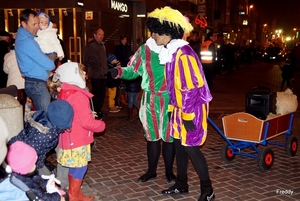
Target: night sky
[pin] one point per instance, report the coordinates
(286, 13)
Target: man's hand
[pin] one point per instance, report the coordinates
(189, 125)
(113, 72)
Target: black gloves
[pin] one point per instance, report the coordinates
(113, 72)
(169, 115)
(189, 125)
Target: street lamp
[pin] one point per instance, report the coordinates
(249, 10)
(264, 32)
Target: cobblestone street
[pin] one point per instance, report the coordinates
(120, 157)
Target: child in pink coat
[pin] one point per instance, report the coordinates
(74, 146)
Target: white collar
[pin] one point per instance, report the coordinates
(153, 46)
(165, 55)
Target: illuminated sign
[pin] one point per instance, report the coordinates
(201, 21)
(242, 13)
(89, 15)
(118, 6)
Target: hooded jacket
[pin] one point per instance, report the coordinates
(40, 134)
(83, 124)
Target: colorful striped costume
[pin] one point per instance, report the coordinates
(188, 90)
(153, 111)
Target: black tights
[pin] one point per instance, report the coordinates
(182, 156)
(153, 153)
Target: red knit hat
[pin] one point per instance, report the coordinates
(21, 157)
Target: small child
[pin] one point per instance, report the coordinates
(287, 74)
(47, 38)
(133, 88)
(74, 149)
(112, 84)
(22, 158)
(42, 129)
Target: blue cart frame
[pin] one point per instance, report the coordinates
(265, 157)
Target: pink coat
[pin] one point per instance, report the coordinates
(83, 125)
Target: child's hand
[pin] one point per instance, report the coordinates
(51, 186)
(94, 114)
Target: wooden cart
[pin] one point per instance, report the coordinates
(243, 130)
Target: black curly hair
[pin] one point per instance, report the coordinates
(155, 26)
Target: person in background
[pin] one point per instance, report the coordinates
(287, 74)
(153, 108)
(95, 59)
(47, 38)
(34, 65)
(22, 160)
(195, 43)
(121, 51)
(189, 97)
(11, 68)
(74, 149)
(112, 84)
(4, 35)
(208, 57)
(133, 88)
(4, 49)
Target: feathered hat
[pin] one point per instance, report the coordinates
(173, 17)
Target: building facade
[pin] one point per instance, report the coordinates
(77, 19)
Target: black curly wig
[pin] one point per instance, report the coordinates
(155, 26)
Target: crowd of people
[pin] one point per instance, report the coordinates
(175, 77)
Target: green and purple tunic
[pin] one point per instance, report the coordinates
(154, 103)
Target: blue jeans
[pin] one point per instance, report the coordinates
(39, 94)
(132, 99)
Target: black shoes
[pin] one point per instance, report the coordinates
(146, 177)
(174, 190)
(170, 177)
(207, 196)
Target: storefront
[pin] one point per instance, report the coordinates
(78, 19)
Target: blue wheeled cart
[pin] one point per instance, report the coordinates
(243, 130)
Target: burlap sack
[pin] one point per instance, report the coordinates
(286, 102)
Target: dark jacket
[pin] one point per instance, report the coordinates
(95, 59)
(40, 134)
(111, 82)
(121, 52)
(134, 86)
(38, 186)
(287, 71)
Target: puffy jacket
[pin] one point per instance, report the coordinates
(83, 123)
(40, 134)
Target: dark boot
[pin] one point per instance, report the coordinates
(180, 186)
(153, 152)
(207, 193)
(168, 152)
(75, 193)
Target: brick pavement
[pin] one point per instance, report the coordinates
(121, 158)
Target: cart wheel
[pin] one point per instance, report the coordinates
(266, 158)
(291, 146)
(226, 153)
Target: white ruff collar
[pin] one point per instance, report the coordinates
(153, 46)
(165, 55)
